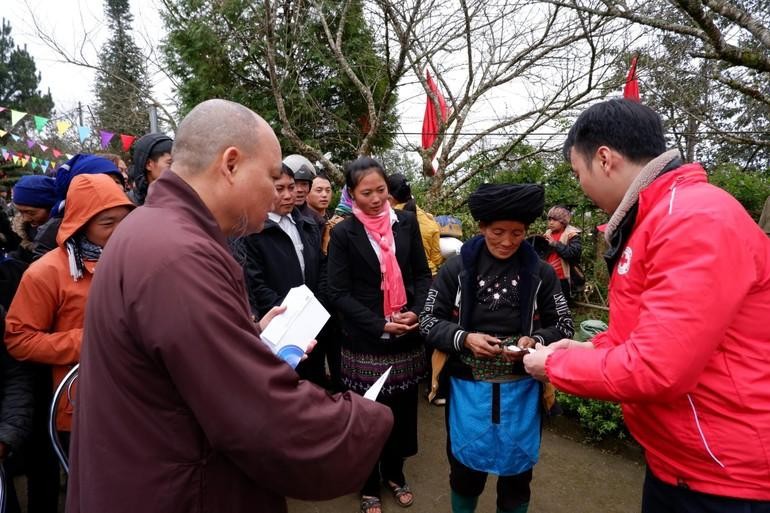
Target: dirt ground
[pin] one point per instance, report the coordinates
(571, 477)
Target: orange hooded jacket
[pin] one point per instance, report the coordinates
(45, 320)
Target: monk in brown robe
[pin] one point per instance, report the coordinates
(180, 406)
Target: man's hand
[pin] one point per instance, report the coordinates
(483, 346)
(309, 349)
(273, 312)
(534, 362)
(566, 343)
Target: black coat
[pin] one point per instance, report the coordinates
(271, 266)
(16, 378)
(446, 320)
(355, 281)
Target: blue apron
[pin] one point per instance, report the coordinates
(495, 427)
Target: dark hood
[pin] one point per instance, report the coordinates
(142, 151)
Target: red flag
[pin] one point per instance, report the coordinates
(430, 122)
(631, 91)
(127, 141)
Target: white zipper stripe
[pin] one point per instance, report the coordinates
(702, 436)
(671, 201)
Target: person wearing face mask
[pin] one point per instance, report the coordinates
(45, 320)
(378, 280)
(485, 308)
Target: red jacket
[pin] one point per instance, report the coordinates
(688, 348)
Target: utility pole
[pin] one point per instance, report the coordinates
(153, 119)
(80, 114)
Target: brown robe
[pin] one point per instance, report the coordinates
(180, 406)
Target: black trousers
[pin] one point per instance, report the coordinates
(512, 491)
(660, 497)
(401, 443)
(40, 463)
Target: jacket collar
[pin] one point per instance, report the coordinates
(663, 183)
(646, 176)
(171, 191)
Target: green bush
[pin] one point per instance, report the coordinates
(750, 189)
(599, 419)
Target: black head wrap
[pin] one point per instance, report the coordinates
(519, 202)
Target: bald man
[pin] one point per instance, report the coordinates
(180, 405)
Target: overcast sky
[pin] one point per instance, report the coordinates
(76, 25)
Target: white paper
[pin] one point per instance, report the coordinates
(374, 390)
(517, 349)
(303, 319)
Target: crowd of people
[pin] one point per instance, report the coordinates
(158, 280)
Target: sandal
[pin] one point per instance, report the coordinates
(369, 503)
(401, 491)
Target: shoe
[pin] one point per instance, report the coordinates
(400, 492)
(370, 503)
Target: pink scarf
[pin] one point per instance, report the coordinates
(378, 227)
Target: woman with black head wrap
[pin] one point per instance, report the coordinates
(486, 307)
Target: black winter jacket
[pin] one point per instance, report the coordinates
(445, 319)
(271, 266)
(16, 378)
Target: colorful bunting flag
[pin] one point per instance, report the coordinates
(127, 141)
(40, 123)
(30, 144)
(16, 137)
(16, 116)
(43, 147)
(2, 133)
(5, 153)
(62, 126)
(106, 137)
(56, 153)
(84, 133)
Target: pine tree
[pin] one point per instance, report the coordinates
(19, 78)
(121, 83)
(218, 49)
(19, 82)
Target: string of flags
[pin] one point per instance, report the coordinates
(62, 126)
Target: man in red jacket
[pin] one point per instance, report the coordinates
(687, 348)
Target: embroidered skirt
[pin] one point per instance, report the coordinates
(360, 370)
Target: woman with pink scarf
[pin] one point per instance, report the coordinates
(378, 281)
